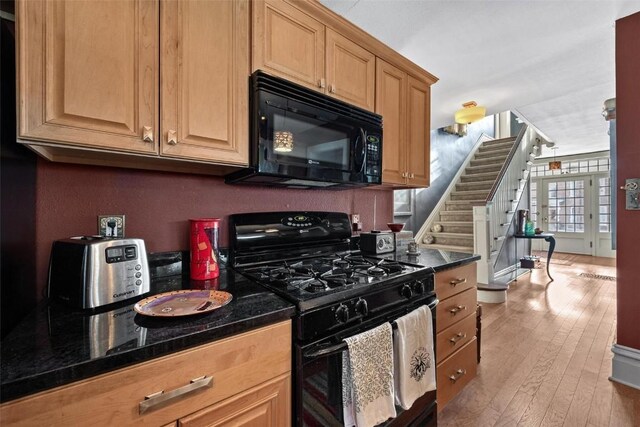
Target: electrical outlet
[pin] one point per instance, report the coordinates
(111, 225)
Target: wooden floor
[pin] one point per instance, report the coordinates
(546, 354)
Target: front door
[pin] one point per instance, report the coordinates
(565, 210)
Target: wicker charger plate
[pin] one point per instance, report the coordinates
(182, 303)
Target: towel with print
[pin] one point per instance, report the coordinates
(414, 363)
(367, 378)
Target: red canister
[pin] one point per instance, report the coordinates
(204, 248)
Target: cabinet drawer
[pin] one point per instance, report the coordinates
(455, 337)
(456, 280)
(235, 364)
(456, 308)
(456, 372)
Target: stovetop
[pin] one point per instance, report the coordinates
(325, 279)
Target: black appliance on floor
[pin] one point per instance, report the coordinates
(304, 257)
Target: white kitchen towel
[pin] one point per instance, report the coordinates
(414, 362)
(367, 378)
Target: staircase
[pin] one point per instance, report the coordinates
(450, 226)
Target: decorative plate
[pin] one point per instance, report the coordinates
(182, 303)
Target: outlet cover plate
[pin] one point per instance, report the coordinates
(111, 225)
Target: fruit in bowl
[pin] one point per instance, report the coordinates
(395, 227)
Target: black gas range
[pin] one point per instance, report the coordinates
(305, 257)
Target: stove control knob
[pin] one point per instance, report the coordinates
(362, 307)
(406, 291)
(342, 313)
(419, 287)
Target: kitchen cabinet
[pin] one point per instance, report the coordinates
(289, 43)
(404, 103)
(456, 343)
(91, 77)
(241, 380)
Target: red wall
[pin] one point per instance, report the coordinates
(158, 205)
(628, 158)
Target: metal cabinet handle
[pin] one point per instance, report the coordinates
(161, 399)
(457, 375)
(172, 137)
(412, 175)
(456, 282)
(332, 89)
(321, 84)
(457, 337)
(404, 174)
(147, 134)
(455, 310)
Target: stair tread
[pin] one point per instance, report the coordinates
(461, 202)
(450, 234)
(463, 192)
(492, 287)
(464, 249)
(454, 223)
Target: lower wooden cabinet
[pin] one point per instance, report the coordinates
(456, 343)
(241, 380)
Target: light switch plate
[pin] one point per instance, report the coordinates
(111, 225)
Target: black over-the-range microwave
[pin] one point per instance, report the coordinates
(300, 138)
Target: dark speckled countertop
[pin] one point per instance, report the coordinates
(54, 346)
(437, 259)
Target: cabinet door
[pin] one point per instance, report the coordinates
(351, 71)
(88, 73)
(288, 43)
(266, 405)
(391, 85)
(418, 120)
(205, 74)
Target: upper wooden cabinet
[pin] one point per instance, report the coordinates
(90, 77)
(404, 103)
(291, 44)
(204, 76)
(88, 73)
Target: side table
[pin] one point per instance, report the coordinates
(548, 237)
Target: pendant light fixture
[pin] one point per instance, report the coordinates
(555, 165)
(283, 139)
(469, 113)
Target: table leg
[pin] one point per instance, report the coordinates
(552, 246)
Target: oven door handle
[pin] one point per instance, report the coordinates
(337, 348)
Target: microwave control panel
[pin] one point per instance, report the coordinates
(374, 152)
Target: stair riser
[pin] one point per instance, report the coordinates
(486, 162)
(472, 196)
(456, 216)
(480, 169)
(478, 177)
(473, 186)
(465, 207)
(493, 147)
(454, 241)
(496, 153)
(458, 228)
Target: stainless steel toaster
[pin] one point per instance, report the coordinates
(93, 271)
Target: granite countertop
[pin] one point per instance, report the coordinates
(55, 345)
(435, 258)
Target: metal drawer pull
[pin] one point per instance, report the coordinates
(172, 137)
(456, 282)
(455, 310)
(459, 336)
(161, 399)
(459, 374)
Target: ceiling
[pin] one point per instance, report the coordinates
(550, 61)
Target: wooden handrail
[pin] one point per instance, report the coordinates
(506, 164)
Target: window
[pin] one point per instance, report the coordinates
(569, 167)
(604, 205)
(533, 213)
(566, 206)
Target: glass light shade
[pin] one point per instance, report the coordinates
(470, 113)
(555, 165)
(283, 141)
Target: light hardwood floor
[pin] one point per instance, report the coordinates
(546, 354)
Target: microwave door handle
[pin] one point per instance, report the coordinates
(363, 154)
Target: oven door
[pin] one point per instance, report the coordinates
(318, 382)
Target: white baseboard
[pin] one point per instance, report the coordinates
(492, 297)
(625, 366)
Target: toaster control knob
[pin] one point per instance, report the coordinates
(342, 313)
(419, 287)
(362, 307)
(406, 291)
(381, 244)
